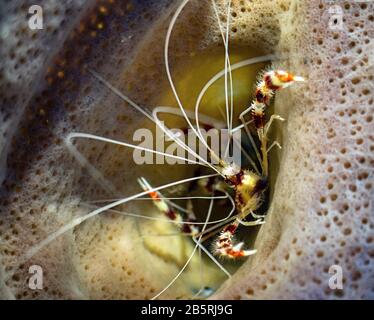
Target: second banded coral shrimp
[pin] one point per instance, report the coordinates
(240, 189)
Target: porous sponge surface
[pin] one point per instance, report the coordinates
(322, 208)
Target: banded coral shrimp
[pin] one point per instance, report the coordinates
(227, 173)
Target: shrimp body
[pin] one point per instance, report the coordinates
(249, 188)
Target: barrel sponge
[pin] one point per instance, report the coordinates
(322, 209)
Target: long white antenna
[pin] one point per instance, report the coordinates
(77, 221)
